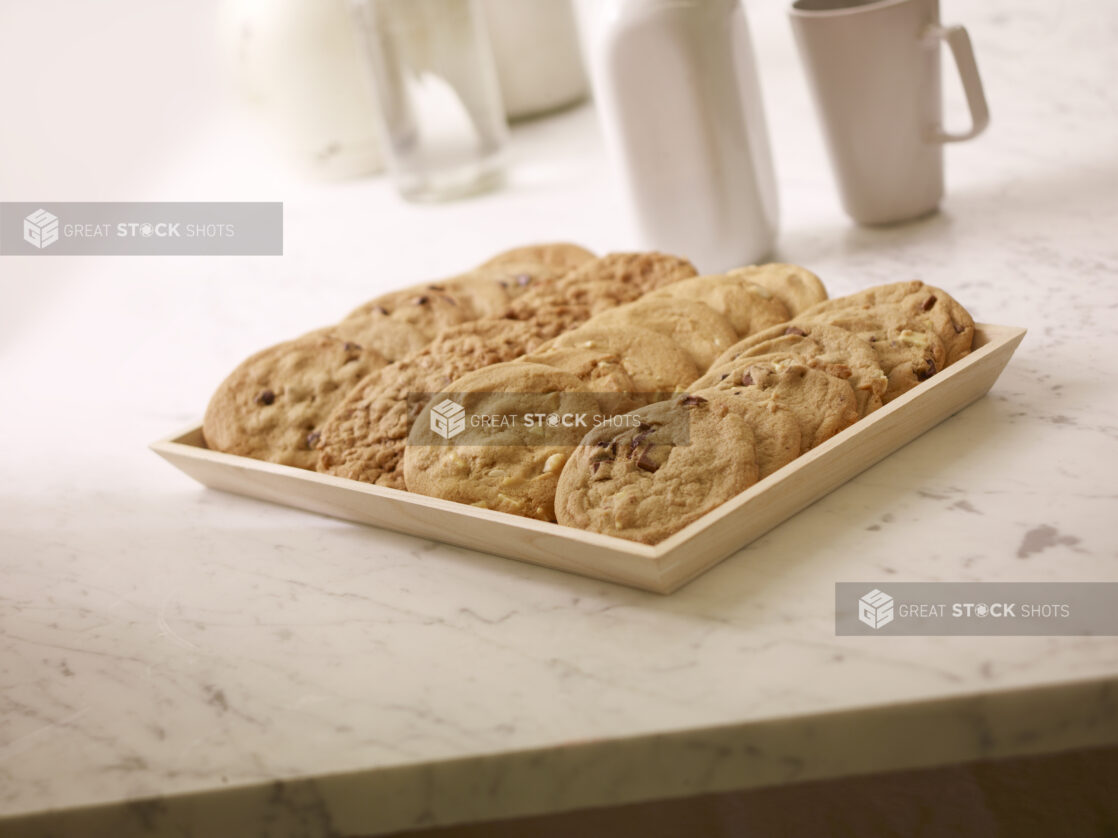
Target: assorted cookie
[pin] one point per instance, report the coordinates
(698, 386)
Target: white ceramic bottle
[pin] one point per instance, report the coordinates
(680, 106)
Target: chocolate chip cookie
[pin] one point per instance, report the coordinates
(510, 462)
(907, 351)
(831, 349)
(375, 330)
(430, 308)
(273, 405)
(918, 304)
(822, 404)
(660, 468)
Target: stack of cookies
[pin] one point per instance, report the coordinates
(709, 383)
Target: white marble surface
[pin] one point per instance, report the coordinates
(233, 667)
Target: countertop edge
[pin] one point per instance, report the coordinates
(1012, 722)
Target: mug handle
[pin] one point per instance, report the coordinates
(957, 38)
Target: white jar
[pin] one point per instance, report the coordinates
(681, 110)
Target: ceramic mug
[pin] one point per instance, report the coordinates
(874, 70)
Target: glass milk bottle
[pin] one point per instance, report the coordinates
(681, 111)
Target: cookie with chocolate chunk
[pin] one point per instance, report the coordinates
(918, 306)
(429, 308)
(363, 439)
(512, 461)
(831, 349)
(908, 351)
(273, 405)
(657, 469)
(822, 404)
(376, 330)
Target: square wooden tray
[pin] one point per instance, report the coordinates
(662, 568)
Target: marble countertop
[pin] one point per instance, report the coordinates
(179, 661)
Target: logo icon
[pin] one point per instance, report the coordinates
(40, 229)
(875, 609)
(448, 419)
